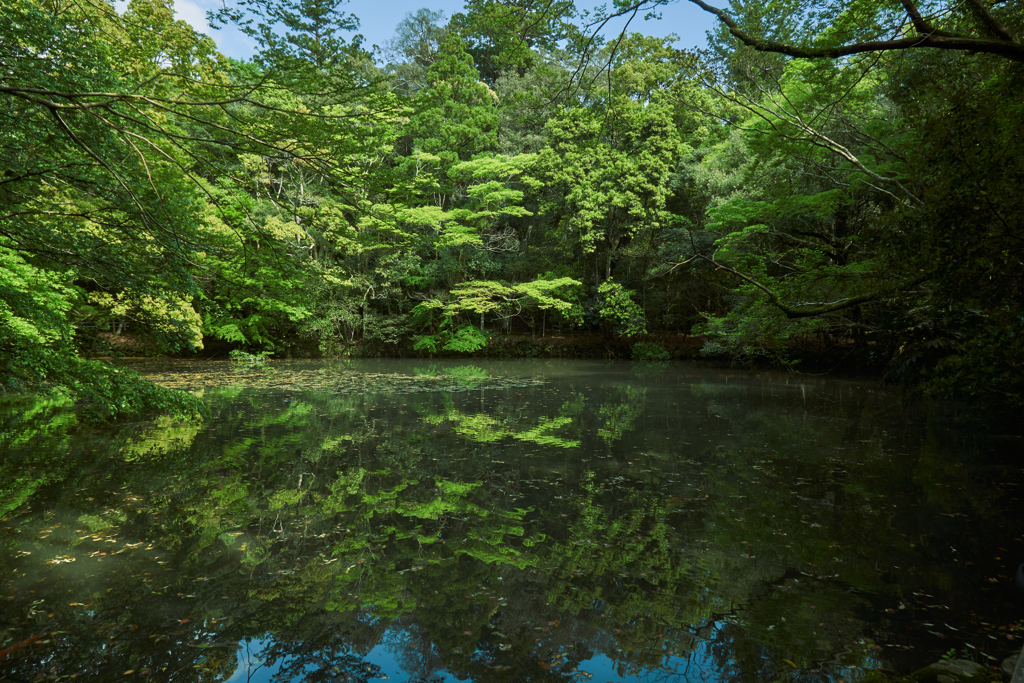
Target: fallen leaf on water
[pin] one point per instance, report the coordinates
(790, 663)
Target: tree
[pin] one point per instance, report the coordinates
(454, 116)
(94, 203)
(619, 310)
(414, 49)
(313, 33)
(610, 169)
(875, 217)
(501, 36)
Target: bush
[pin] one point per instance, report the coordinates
(651, 351)
(619, 309)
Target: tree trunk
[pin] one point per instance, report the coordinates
(613, 244)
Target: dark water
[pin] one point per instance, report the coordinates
(515, 521)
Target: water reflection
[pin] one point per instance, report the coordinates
(547, 521)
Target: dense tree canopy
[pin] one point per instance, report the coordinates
(818, 177)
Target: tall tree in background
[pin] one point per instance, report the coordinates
(502, 36)
(609, 163)
(414, 49)
(454, 116)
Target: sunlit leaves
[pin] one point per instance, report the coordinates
(611, 166)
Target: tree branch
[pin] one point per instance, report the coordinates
(788, 311)
(991, 24)
(1006, 46)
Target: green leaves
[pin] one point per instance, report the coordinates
(34, 303)
(611, 170)
(455, 115)
(311, 36)
(619, 309)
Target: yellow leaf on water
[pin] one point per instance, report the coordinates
(790, 663)
(129, 671)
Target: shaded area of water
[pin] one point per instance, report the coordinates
(506, 522)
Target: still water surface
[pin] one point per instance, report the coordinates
(512, 521)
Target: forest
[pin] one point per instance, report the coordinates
(838, 173)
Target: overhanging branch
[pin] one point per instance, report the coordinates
(794, 313)
(1005, 45)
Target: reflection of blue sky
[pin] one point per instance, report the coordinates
(378, 20)
(700, 667)
(396, 649)
(250, 666)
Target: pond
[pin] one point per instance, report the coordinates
(506, 521)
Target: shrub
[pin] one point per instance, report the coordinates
(651, 351)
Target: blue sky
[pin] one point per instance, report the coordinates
(378, 19)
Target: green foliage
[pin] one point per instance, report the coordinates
(96, 206)
(649, 351)
(503, 37)
(465, 339)
(107, 165)
(160, 196)
(34, 308)
(502, 300)
(104, 392)
(455, 113)
(247, 358)
(610, 168)
(36, 338)
(620, 310)
(311, 38)
(753, 329)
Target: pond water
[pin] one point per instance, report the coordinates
(506, 521)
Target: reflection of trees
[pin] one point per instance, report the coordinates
(319, 655)
(482, 427)
(324, 524)
(620, 417)
(414, 650)
(34, 426)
